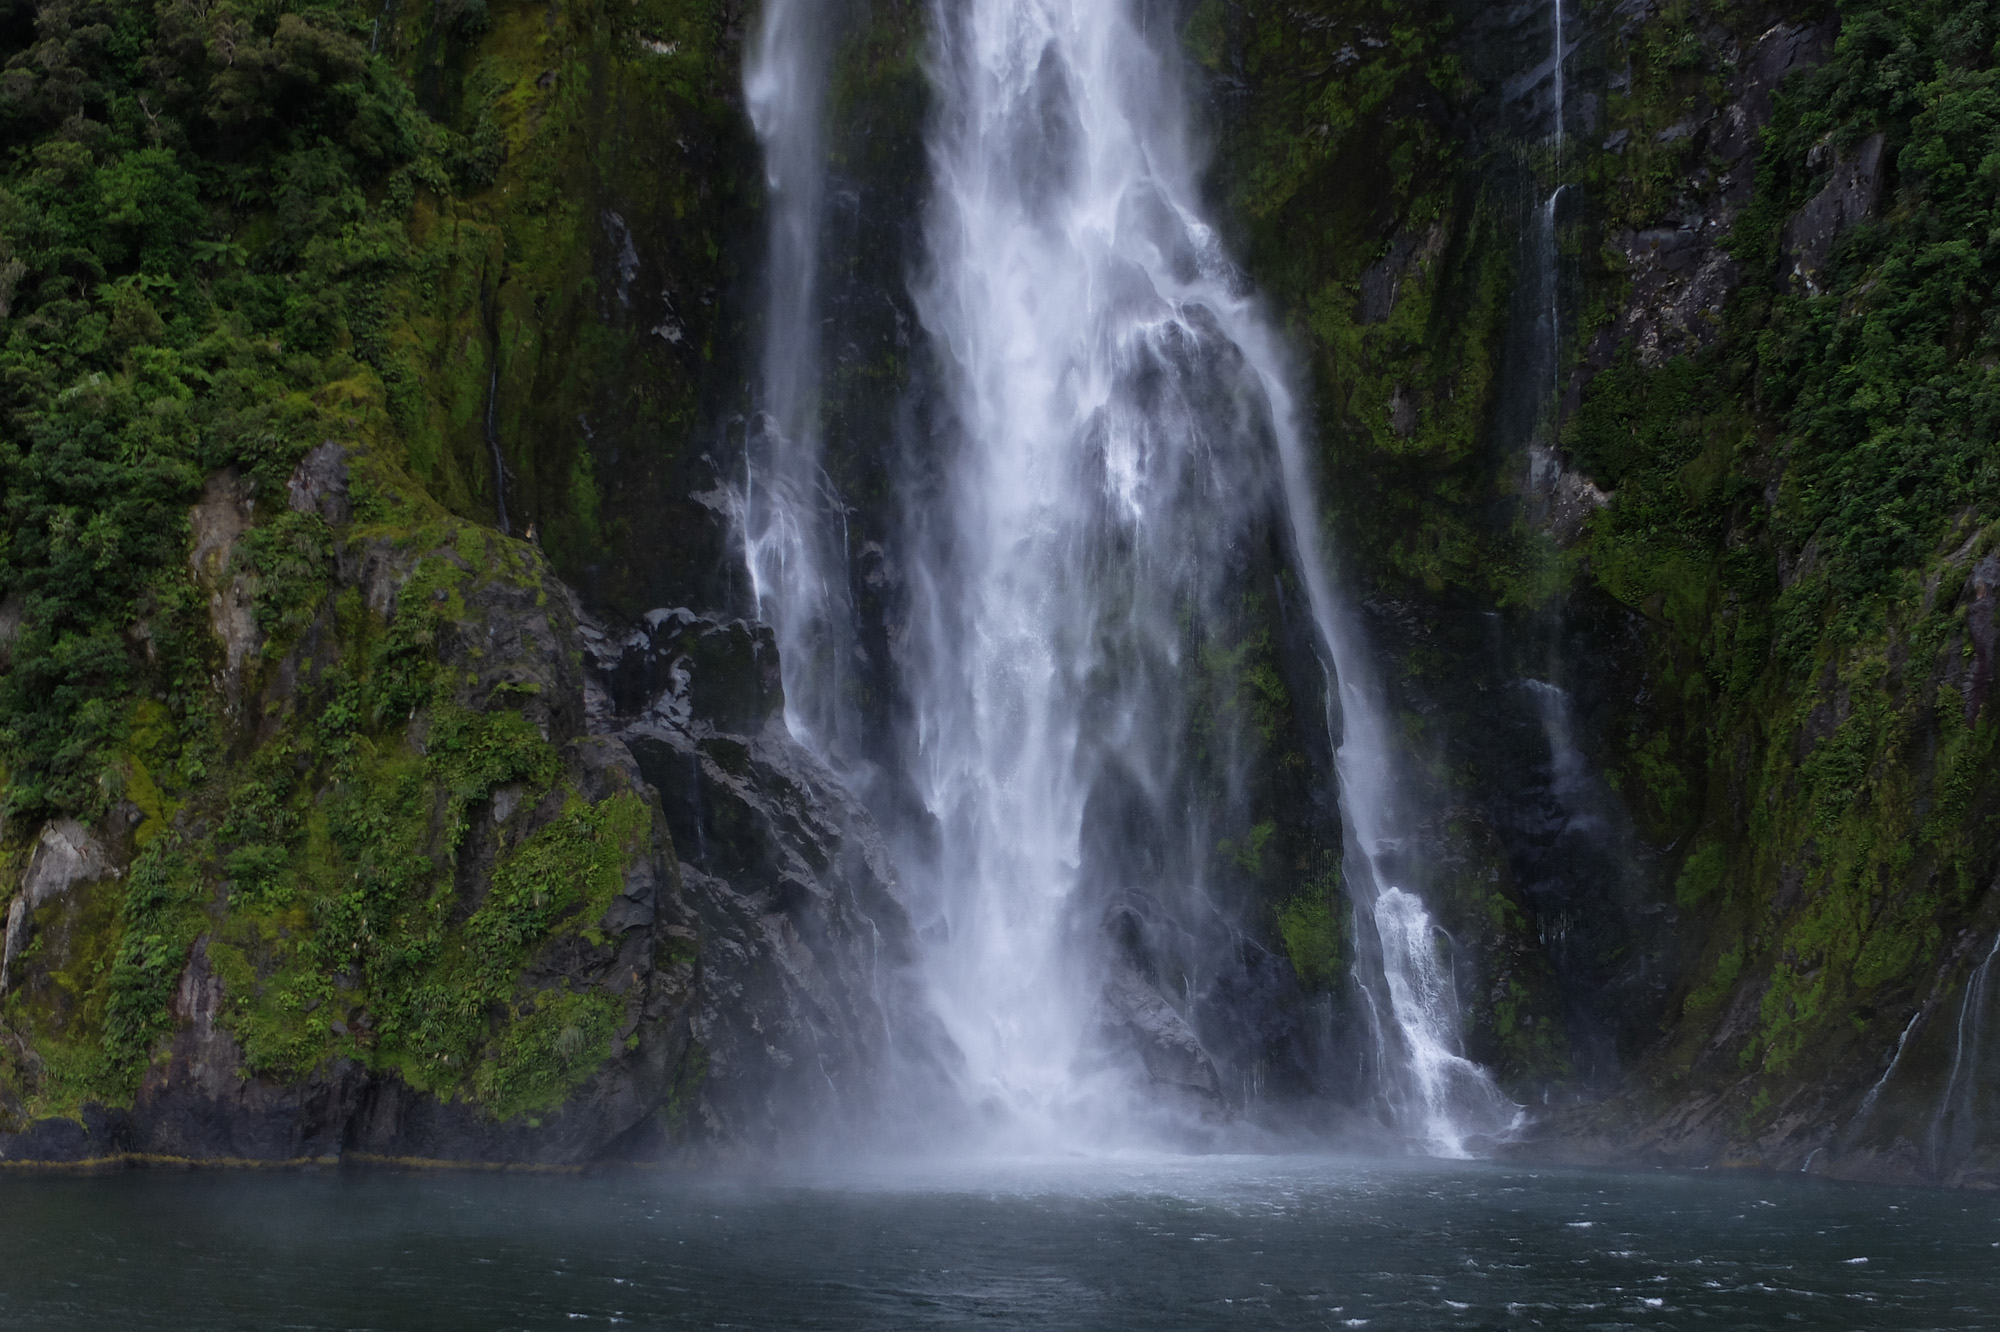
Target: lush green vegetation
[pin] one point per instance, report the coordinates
(1798, 509)
(1340, 160)
(1795, 509)
(229, 232)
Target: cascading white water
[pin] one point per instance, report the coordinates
(783, 499)
(1454, 1097)
(1124, 417)
(1954, 1126)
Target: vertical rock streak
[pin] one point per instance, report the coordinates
(1121, 426)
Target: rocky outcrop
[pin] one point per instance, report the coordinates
(1852, 191)
(65, 856)
(1680, 276)
(747, 978)
(1139, 1019)
(809, 1005)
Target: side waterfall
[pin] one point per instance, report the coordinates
(1954, 1127)
(1123, 415)
(784, 503)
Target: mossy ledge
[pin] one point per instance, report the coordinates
(320, 329)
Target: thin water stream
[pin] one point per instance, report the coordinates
(786, 507)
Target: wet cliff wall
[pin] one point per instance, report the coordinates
(387, 768)
(389, 765)
(1660, 454)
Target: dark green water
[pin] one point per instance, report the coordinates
(1201, 1243)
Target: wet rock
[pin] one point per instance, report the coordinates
(1561, 499)
(65, 856)
(1172, 1054)
(681, 665)
(1849, 197)
(319, 485)
(808, 1006)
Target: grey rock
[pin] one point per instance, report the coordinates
(11, 611)
(219, 520)
(1402, 412)
(1680, 277)
(1982, 607)
(1172, 1053)
(809, 1005)
(319, 485)
(1850, 196)
(1560, 498)
(65, 856)
(1680, 283)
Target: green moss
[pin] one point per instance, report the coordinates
(1313, 927)
(1701, 875)
(686, 1092)
(1715, 987)
(282, 1020)
(291, 557)
(159, 923)
(551, 1045)
(475, 754)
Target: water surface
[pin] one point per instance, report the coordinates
(1203, 1243)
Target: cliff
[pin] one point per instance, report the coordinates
(335, 823)
(1658, 451)
(393, 765)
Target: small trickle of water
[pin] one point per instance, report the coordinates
(1874, 1093)
(786, 508)
(1956, 1119)
(499, 461)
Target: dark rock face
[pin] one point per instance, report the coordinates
(1680, 277)
(753, 947)
(808, 1003)
(1139, 1019)
(1849, 196)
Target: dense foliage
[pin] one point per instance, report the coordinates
(1799, 508)
(197, 218)
(229, 232)
(1876, 376)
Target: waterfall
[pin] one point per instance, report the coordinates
(1955, 1126)
(1550, 238)
(788, 511)
(1120, 421)
(493, 443)
(1540, 398)
(1874, 1093)
(1556, 5)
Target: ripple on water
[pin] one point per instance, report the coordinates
(1157, 1244)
